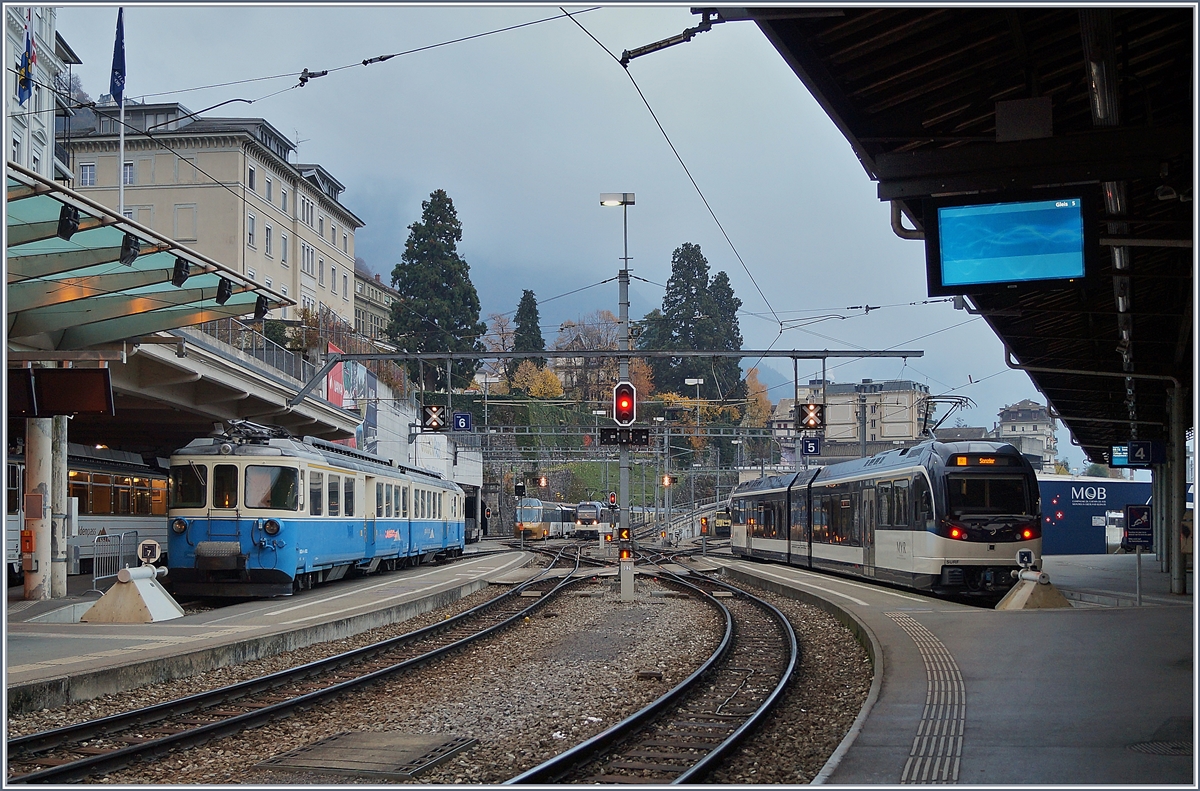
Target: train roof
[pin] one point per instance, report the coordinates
(900, 458)
(312, 449)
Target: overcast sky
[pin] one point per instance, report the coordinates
(525, 128)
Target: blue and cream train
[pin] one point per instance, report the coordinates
(941, 517)
(259, 513)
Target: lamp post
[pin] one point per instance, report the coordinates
(624, 200)
(697, 383)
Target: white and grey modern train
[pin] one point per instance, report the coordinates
(948, 518)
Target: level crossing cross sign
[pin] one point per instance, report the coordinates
(435, 418)
(462, 421)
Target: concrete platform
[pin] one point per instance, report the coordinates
(49, 664)
(1093, 694)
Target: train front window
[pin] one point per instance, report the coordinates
(273, 487)
(189, 486)
(225, 481)
(980, 495)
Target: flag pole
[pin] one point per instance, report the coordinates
(116, 87)
(121, 165)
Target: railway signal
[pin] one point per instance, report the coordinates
(623, 534)
(435, 417)
(812, 416)
(612, 499)
(704, 525)
(519, 490)
(670, 480)
(542, 482)
(624, 403)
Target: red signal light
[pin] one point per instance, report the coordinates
(1027, 533)
(624, 403)
(955, 533)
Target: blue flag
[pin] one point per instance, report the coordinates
(25, 69)
(116, 84)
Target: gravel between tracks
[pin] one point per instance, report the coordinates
(529, 693)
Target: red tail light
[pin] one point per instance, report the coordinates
(1027, 534)
(956, 533)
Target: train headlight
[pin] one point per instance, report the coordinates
(271, 527)
(179, 526)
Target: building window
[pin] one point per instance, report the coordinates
(250, 178)
(357, 287)
(283, 310)
(345, 242)
(18, 138)
(345, 287)
(333, 233)
(267, 239)
(250, 230)
(268, 283)
(321, 226)
(36, 163)
(127, 176)
(283, 245)
(87, 174)
(251, 274)
(333, 279)
(283, 199)
(269, 185)
(321, 271)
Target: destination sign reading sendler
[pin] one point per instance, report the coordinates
(974, 460)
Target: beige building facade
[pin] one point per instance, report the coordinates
(372, 302)
(31, 123)
(226, 188)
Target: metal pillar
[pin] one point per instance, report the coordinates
(626, 567)
(38, 462)
(1177, 486)
(58, 509)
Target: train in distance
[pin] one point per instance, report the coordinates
(946, 518)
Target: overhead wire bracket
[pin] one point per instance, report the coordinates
(705, 25)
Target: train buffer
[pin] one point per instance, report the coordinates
(137, 597)
(1033, 590)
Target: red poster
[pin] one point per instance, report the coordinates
(334, 387)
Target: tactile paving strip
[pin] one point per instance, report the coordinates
(937, 747)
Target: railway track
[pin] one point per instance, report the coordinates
(74, 753)
(684, 734)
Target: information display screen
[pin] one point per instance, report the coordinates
(987, 246)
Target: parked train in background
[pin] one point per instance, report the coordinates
(115, 491)
(540, 519)
(592, 520)
(942, 517)
(260, 513)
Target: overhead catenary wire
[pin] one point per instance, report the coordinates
(678, 157)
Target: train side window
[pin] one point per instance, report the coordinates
(123, 489)
(404, 501)
(438, 500)
(379, 499)
(14, 489)
(797, 517)
(189, 487)
(141, 496)
(388, 494)
(396, 500)
(922, 504)
(900, 514)
(158, 497)
(102, 500)
(883, 503)
(335, 494)
(348, 496)
(820, 519)
(79, 488)
(316, 487)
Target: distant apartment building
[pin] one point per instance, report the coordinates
(1028, 426)
(876, 415)
(31, 122)
(226, 188)
(372, 302)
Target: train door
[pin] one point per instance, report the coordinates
(370, 512)
(867, 513)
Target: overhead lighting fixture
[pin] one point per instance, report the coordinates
(68, 222)
(224, 291)
(616, 198)
(130, 247)
(181, 273)
(261, 306)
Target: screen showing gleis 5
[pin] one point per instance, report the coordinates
(1011, 242)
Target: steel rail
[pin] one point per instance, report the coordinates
(36, 743)
(589, 751)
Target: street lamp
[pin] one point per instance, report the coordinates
(624, 200)
(697, 383)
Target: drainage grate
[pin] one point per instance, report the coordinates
(371, 754)
(1162, 748)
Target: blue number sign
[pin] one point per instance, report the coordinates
(810, 446)
(462, 421)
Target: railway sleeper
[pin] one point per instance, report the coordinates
(649, 767)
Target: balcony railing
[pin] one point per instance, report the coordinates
(249, 341)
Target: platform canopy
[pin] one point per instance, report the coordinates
(974, 100)
(77, 288)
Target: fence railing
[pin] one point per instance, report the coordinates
(110, 554)
(249, 341)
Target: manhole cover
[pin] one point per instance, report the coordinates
(1162, 748)
(371, 754)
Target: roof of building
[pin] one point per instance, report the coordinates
(961, 433)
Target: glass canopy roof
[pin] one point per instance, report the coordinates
(68, 294)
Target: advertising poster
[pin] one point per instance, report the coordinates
(334, 387)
